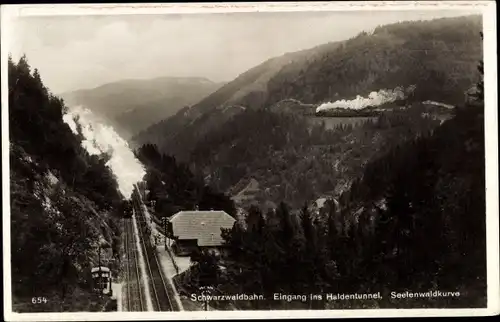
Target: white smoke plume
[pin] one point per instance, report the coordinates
(374, 99)
(101, 138)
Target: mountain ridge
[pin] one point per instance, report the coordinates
(436, 54)
(63, 201)
(137, 80)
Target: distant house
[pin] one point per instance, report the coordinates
(198, 229)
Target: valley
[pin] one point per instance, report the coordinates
(356, 166)
(342, 138)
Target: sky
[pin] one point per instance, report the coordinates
(76, 52)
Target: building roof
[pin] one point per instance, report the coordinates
(96, 269)
(204, 226)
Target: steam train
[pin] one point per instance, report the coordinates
(127, 209)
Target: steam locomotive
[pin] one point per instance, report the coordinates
(127, 209)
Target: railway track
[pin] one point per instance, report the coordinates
(162, 293)
(134, 292)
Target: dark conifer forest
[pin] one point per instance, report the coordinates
(173, 187)
(63, 201)
(413, 220)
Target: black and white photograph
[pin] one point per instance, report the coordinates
(196, 160)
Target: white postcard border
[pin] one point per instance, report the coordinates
(487, 8)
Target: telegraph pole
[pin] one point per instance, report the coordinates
(164, 222)
(100, 274)
(205, 292)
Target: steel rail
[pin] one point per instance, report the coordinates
(160, 305)
(132, 260)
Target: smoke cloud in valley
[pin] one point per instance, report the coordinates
(101, 138)
(374, 99)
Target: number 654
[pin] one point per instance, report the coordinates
(38, 300)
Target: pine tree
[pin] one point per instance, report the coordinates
(307, 227)
(287, 230)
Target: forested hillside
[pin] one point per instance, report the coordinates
(133, 105)
(173, 187)
(253, 79)
(437, 56)
(354, 167)
(295, 161)
(415, 222)
(63, 201)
